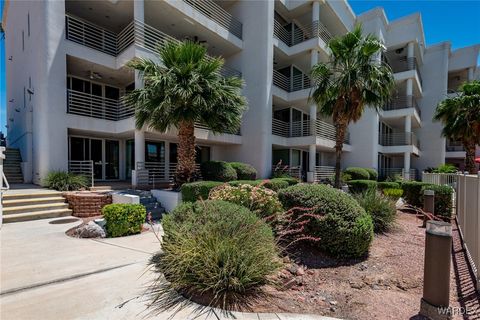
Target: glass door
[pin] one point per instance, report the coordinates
(96, 152)
(112, 159)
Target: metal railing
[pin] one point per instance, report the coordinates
(294, 171)
(290, 84)
(228, 131)
(398, 139)
(393, 172)
(135, 32)
(152, 173)
(405, 64)
(82, 167)
(216, 13)
(468, 218)
(440, 178)
(452, 146)
(89, 105)
(402, 102)
(303, 128)
(323, 172)
(302, 33)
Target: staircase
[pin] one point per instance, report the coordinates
(12, 167)
(149, 202)
(32, 206)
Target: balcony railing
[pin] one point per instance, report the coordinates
(152, 173)
(82, 167)
(136, 32)
(291, 84)
(89, 105)
(392, 172)
(402, 102)
(216, 13)
(405, 64)
(230, 131)
(398, 139)
(323, 173)
(303, 129)
(302, 33)
(454, 146)
(294, 171)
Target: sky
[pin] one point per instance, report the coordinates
(456, 21)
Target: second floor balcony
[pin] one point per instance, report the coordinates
(293, 33)
(135, 33)
(402, 102)
(293, 83)
(401, 64)
(398, 139)
(454, 146)
(295, 129)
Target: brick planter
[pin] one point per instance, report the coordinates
(87, 204)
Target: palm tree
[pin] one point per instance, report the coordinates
(460, 116)
(352, 80)
(186, 88)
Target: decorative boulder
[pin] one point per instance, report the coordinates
(90, 230)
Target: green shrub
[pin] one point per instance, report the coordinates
(123, 219)
(380, 208)
(359, 186)
(388, 185)
(290, 180)
(393, 193)
(443, 199)
(237, 183)
(372, 173)
(445, 168)
(276, 184)
(215, 248)
(345, 229)
(261, 201)
(65, 181)
(357, 173)
(244, 171)
(197, 190)
(217, 171)
(412, 192)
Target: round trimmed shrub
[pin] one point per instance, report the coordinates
(344, 228)
(388, 185)
(276, 184)
(215, 248)
(194, 191)
(290, 180)
(379, 207)
(218, 171)
(356, 173)
(393, 193)
(237, 183)
(359, 186)
(372, 173)
(244, 171)
(123, 219)
(261, 201)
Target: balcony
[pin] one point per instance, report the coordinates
(290, 84)
(454, 146)
(295, 129)
(299, 34)
(136, 32)
(216, 13)
(394, 172)
(93, 106)
(398, 139)
(402, 102)
(405, 64)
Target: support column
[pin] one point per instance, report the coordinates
(406, 165)
(410, 50)
(408, 124)
(312, 152)
(139, 153)
(315, 11)
(139, 15)
(470, 74)
(409, 92)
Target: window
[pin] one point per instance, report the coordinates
(154, 152)
(24, 98)
(28, 24)
(23, 40)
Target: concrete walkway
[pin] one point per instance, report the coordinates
(48, 275)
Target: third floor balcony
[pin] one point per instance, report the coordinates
(297, 81)
(294, 33)
(305, 128)
(398, 139)
(402, 102)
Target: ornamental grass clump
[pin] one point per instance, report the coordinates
(65, 181)
(379, 207)
(261, 201)
(216, 249)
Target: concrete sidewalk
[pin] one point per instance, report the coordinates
(48, 275)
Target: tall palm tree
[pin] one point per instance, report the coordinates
(460, 116)
(186, 88)
(352, 80)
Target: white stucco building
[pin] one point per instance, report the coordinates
(66, 73)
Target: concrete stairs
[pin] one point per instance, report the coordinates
(12, 167)
(152, 206)
(33, 206)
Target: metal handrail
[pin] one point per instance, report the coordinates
(216, 13)
(398, 139)
(402, 102)
(303, 129)
(82, 167)
(323, 172)
(405, 64)
(300, 33)
(291, 84)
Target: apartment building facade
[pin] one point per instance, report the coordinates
(66, 74)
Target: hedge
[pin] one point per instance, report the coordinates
(357, 173)
(372, 173)
(343, 227)
(244, 171)
(388, 185)
(412, 192)
(123, 219)
(217, 171)
(359, 186)
(198, 190)
(443, 199)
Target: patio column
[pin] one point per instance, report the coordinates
(470, 74)
(312, 153)
(139, 146)
(410, 50)
(139, 15)
(406, 165)
(409, 92)
(408, 124)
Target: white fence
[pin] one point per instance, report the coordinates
(2, 180)
(467, 208)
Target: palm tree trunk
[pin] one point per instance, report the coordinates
(186, 153)
(340, 128)
(470, 156)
